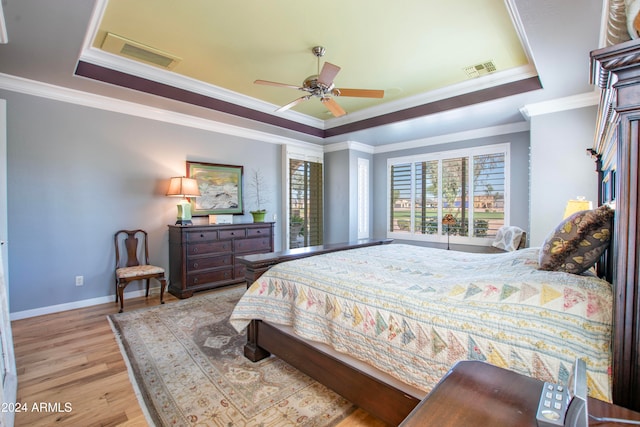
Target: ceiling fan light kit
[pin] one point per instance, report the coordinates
(321, 86)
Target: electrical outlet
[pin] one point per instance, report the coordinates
(79, 280)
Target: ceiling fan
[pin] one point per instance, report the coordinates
(321, 86)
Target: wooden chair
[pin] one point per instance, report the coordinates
(128, 266)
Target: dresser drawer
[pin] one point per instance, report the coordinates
(249, 245)
(209, 247)
(233, 234)
(202, 236)
(202, 263)
(197, 279)
(239, 270)
(257, 232)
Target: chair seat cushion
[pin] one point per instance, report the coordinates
(137, 271)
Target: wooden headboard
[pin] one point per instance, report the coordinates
(616, 70)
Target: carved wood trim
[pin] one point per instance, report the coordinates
(617, 71)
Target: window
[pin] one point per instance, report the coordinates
(471, 185)
(305, 199)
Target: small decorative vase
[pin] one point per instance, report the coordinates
(258, 216)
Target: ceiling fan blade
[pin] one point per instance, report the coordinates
(268, 83)
(328, 73)
(333, 106)
(360, 93)
(293, 103)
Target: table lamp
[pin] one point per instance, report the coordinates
(577, 205)
(448, 220)
(183, 187)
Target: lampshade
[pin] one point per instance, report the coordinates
(183, 187)
(448, 219)
(577, 205)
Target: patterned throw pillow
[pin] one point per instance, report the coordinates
(508, 238)
(577, 243)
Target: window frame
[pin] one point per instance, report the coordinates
(439, 237)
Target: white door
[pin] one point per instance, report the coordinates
(9, 378)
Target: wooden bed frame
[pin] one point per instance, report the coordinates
(617, 153)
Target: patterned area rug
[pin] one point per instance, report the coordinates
(188, 366)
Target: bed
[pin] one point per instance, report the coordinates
(412, 312)
(391, 394)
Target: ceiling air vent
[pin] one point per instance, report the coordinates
(480, 69)
(125, 47)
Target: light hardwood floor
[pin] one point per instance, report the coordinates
(70, 367)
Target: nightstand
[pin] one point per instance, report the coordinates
(478, 394)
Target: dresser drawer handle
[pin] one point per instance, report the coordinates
(195, 250)
(195, 280)
(233, 233)
(259, 231)
(202, 235)
(195, 265)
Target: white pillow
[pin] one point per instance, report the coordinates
(508, 238)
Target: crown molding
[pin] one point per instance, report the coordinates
(454, 137)
(349, 145)
(561, 104)
(73, 96)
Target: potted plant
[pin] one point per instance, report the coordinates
(258, 192)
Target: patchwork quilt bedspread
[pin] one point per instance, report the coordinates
(413, 311)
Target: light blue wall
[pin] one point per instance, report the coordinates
(77, 174)
(519, 143)
(341, 194)
(560, 167)
(337, 210)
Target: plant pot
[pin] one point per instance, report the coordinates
(258, 216)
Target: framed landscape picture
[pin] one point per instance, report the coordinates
(220, 189)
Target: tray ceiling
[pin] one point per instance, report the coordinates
(424, 51)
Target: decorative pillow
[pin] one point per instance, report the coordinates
(508, 238)
(577, 243)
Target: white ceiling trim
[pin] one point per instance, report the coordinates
(72, 96)
(149, 72)
(472, 85)
(128, 66)
(454, 137)
(4, 38)
(349, 145)
(561, 104)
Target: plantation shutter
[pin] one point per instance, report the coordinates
(400, 214)
(305, 199)
(488, 193)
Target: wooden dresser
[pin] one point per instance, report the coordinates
(204, 256)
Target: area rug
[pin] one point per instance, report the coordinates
(188, 369)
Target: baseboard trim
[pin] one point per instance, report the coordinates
(77, 304)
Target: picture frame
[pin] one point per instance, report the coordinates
(221, 188)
